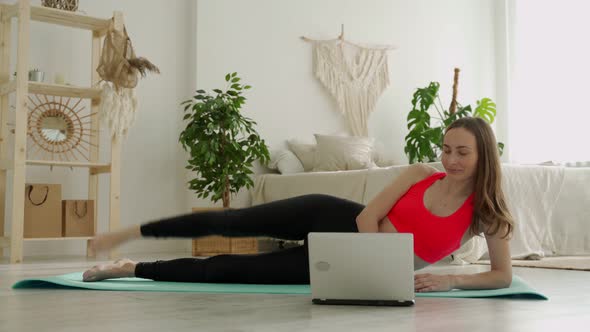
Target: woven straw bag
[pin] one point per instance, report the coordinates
(114, 65)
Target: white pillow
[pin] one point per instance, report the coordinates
(340, 153)
(285, 162)
(379, 156)
(305, 152)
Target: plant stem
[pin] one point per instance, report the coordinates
(440, 102)
(437, 110)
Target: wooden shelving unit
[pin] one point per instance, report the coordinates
(55, 90)
(17, 162)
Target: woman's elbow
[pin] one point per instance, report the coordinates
(366, 225)
(360, 222)
(505, 280)
(362, 218)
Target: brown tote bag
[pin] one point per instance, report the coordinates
(42, 211)
(78, 218)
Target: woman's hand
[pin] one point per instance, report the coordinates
(109, 241)
(432, 283)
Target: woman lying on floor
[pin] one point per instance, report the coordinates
(442, 209)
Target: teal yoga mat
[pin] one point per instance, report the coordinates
(519, 287)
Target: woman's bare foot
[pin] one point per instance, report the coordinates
(121, 268)
(108, 241)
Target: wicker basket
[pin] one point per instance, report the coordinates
(71, 5)
(215, 245)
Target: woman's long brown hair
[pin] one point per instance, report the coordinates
(490, 211)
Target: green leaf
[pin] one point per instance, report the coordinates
(424, 98)
(486, 109)
(418, 120)
(227, 77)
(217, 91)
(500, 148)
(235, 79)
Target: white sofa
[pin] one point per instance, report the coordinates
(550, 204)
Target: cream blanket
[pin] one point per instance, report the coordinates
(531, 193)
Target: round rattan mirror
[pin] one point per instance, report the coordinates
(55, 128)
(58, 129)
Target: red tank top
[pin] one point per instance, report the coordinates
(434, 237)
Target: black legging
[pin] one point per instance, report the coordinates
(289, 219)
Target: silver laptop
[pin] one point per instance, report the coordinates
(362, 268)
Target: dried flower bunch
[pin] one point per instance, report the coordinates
(118, 63)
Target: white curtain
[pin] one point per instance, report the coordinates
(549, 116)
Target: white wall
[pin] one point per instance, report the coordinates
(152, 161)
(260, 40)
(195, 43)
(503, 9)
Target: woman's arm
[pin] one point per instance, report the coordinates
(368, 220)
(108, 241)
(500, 275)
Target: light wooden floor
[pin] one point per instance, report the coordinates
(83, 310)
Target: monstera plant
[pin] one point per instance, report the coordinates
(425, 139)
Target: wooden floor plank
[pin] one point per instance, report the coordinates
(86, 310)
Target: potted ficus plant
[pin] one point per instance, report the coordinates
(424, 141)
(222, 143)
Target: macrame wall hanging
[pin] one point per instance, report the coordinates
(121, 69)
(356, 75)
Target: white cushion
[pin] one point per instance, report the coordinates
(305, 152)
(380, 157)
(285, 162)
(340, 153)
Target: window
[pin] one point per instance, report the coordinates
(549, 116)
